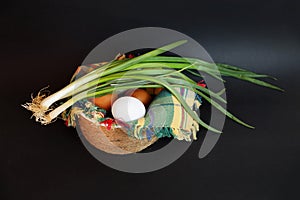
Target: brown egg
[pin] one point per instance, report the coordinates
(105, 101)
(154, 91)
(158, 90)
(142, 95)
(150, 91)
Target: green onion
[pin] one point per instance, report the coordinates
(147, 70)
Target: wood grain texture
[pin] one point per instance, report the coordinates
(114, 141)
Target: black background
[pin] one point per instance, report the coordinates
(42, 42)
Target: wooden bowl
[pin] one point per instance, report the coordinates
(114, 141)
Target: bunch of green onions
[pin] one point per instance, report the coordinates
(145, 71)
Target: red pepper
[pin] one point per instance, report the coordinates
(130, 56)
(108, 123)
(201, 83)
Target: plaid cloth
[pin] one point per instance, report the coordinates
(166, 118)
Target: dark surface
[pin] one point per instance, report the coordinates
(42, 42)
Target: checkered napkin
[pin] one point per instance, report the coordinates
(166, 117)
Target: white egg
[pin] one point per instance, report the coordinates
(127, 109)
